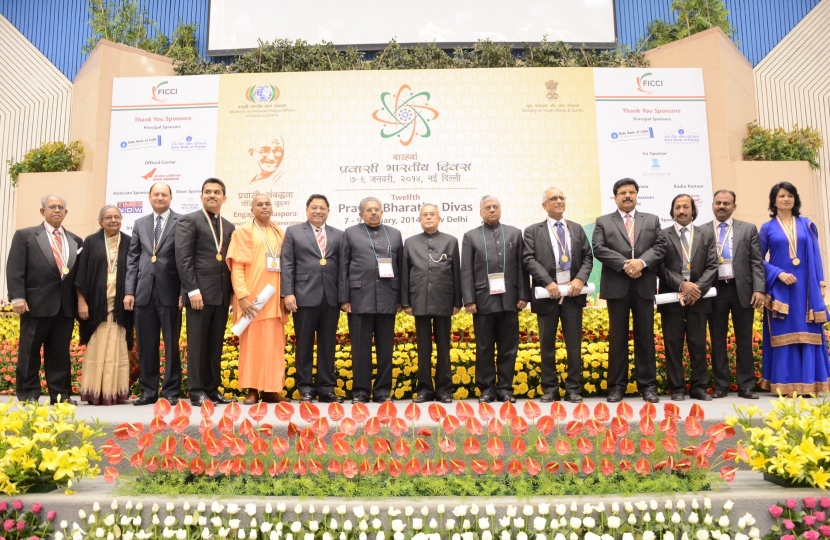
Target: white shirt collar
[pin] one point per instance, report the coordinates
(728, 221)
(622, 214)
(164, 216)
(552, 222)
(678, 226)
(52, 229)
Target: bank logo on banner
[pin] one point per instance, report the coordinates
(263, 93)
(647, 84)
(405, 115)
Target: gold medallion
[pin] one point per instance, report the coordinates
(323, 262)
(688, 266)
(564, 258)
(218, 256)
(153, 259)
(796, 261)
(720, 260)
(65, 270)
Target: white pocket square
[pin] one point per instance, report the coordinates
(79, 251)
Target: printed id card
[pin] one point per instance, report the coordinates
(385, 268)
(563, 276)
(725, 270)
(496, 283)
(272, 264)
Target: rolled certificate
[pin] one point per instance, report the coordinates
(541, 292)
(668, 298)
(261, 299)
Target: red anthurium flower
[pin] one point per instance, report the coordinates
(308, 434)
(413, 467)
(320, 447)
(237, 447)
(697, 412)
(542, 446)
(647, 446)
(279, 446)
(197, 466)
(669, 427)
(707, 448)
(372, 426)
(128, 430)
(257, 467)
(110, 474)
(689, 451)
(166, 464)
(601, 412)
(137, 460)
(588, 465)
(625, 465)
(225, 425)
(259, 446)
(152, 464)
(729, 454)
(584, 446)
(532, 466)
(671, 410)
(546, 425)
(397, 426)
(701, 461)
(284, 411)
(182, 408)
(212, 467)
(574, 428)
(266, 431)
(594, 427)
(464, 411)
(684, 465)
(428, 469)
(571, 467)
(446, 445)
(620, 426)
(606, 467)
(495, 447)
(360, 412)
(191, 446)
(424, 432)
(115, 456)
(401, 448)
(720, 432)
(518, 426)
(421, 445)
(412, 412)
(314, 466)
(320, 427)
(671, 463)
(582, 412)
(108, 446)
(162, 408)
(336, 411)
(486, 412)
(625, 411)
(507, 412)
(302, 447)
(670, 445)
(442, 467)
(246, 427)
(495, 427)
(348, 426)
(473, 425)
(157, 425)
(340, 444)
(168, 446)
(608, 445)
(518, 446)
(471, 446)
(562, 447)
(648, 410)
(283, 466)
(309, 411)
(497, 467)
(361, 446)
(232, 411)
(532, 410)
(212, 445)
(647, 426)
(334, 467)
(642, 466)
(626, 446)
(479, 466)
(238, 466)
(300, 467)
(558, 412)
(205, 424)
(552, 467)
(207, 409)
(387, 411)
(451, 424)
(381, 446)
(457, 466)
(395, 468)
(436, 412)
(379, 466)
(226, 439)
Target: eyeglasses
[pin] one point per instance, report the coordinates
(112, 218)
(56, 207)
(557, 198)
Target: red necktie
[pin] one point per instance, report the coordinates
(629, 226)
(321, 241)
(57, 250)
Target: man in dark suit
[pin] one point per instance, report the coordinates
(741, 288)
(557, 252)
(494, 287)
(40, 277)
(369, 288)
(310, 262)
(153, 290)
(202, 239)
(431, 292)
(688, 269)
(630, 245)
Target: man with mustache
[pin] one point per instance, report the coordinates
(688, 269)
(741, 285)
(630, 245)
(202, 239)
(270, 158)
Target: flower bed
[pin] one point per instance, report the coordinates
(17, 523)
(527, 382)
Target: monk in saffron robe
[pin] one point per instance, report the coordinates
(254, 262)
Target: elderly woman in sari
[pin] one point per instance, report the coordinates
(795, 347)
(106, 328)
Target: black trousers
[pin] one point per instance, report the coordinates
(205, 338)
(320, 321)
(645, 362)
(686, 326)
(742, 319)
(362, 327)
(54, 335)
(493, 330)
(427, 328)
(570, 313)
(151, 322)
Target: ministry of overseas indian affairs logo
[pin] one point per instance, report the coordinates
(262, 93)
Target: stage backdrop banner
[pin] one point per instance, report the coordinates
(412, 137)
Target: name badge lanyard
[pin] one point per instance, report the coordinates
(63, 252)
(274, 254)
(161, 234)
(562, 256)
(792, 239)
(221, 234)
(504, 253)
(725, 240)
(688, 253)
(388, 244)
(112, 259)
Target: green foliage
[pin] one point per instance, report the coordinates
(693, 16)
(125, 22)
(50, 157)
(800, 144)
(286, 56)
(418, 486)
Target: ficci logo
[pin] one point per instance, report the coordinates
(161, 92)
(647, 85)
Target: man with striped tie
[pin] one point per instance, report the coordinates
(310, 262)
(630, 245)
(41, 281)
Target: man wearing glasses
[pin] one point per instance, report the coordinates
(270, 157)
(556, 253)
(431, 292)
(40, 277)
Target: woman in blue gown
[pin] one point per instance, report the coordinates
(795, 357)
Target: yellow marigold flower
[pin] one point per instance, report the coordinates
(456, 379)
(289, 382)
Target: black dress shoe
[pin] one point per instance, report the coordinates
(508, 397)
(145, 400)
(718, 394)
(382, 399)
(573, 397)
(173, 400)
(614, 396)
(331, 397)
(306, 396)
(678, 396)
(359, 399)
(219, 399)
(444, 399)
(70, 401)
(699, 394)
(197, 401)
(651, 396)
(423, 398)
(550, 397)
(486, 398)
(747, 394)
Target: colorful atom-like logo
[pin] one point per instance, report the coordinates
(408, 115)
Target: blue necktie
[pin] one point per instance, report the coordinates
(563, 244)
(723, 240)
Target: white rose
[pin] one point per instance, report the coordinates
(628, 536)
(474, 509)
(539, 523)
(450, 523)
(589, 522)
(109, 521)
(702, 534)
(483, 523)
(724, 521)
(417, 524)
(708, 520)
(707, 503)
(295, 527)
(234, 524)
(642, 506)
(281, 507)
(575, 522)
(561, 509)
(250, 509)
(527, 510)
(181, 534)
(659, 517)
(614, 522)
(358, 512)
(313, 526)
(521, 536)
(486, 535)
(628, 507)
(297, 509)
(374, 510)
(648, 535)
(668, 535)
(693, 519)
(511, 510)
(632, 519)
(505, 535)
(592, 536)
(504, 521)
(169, 521)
